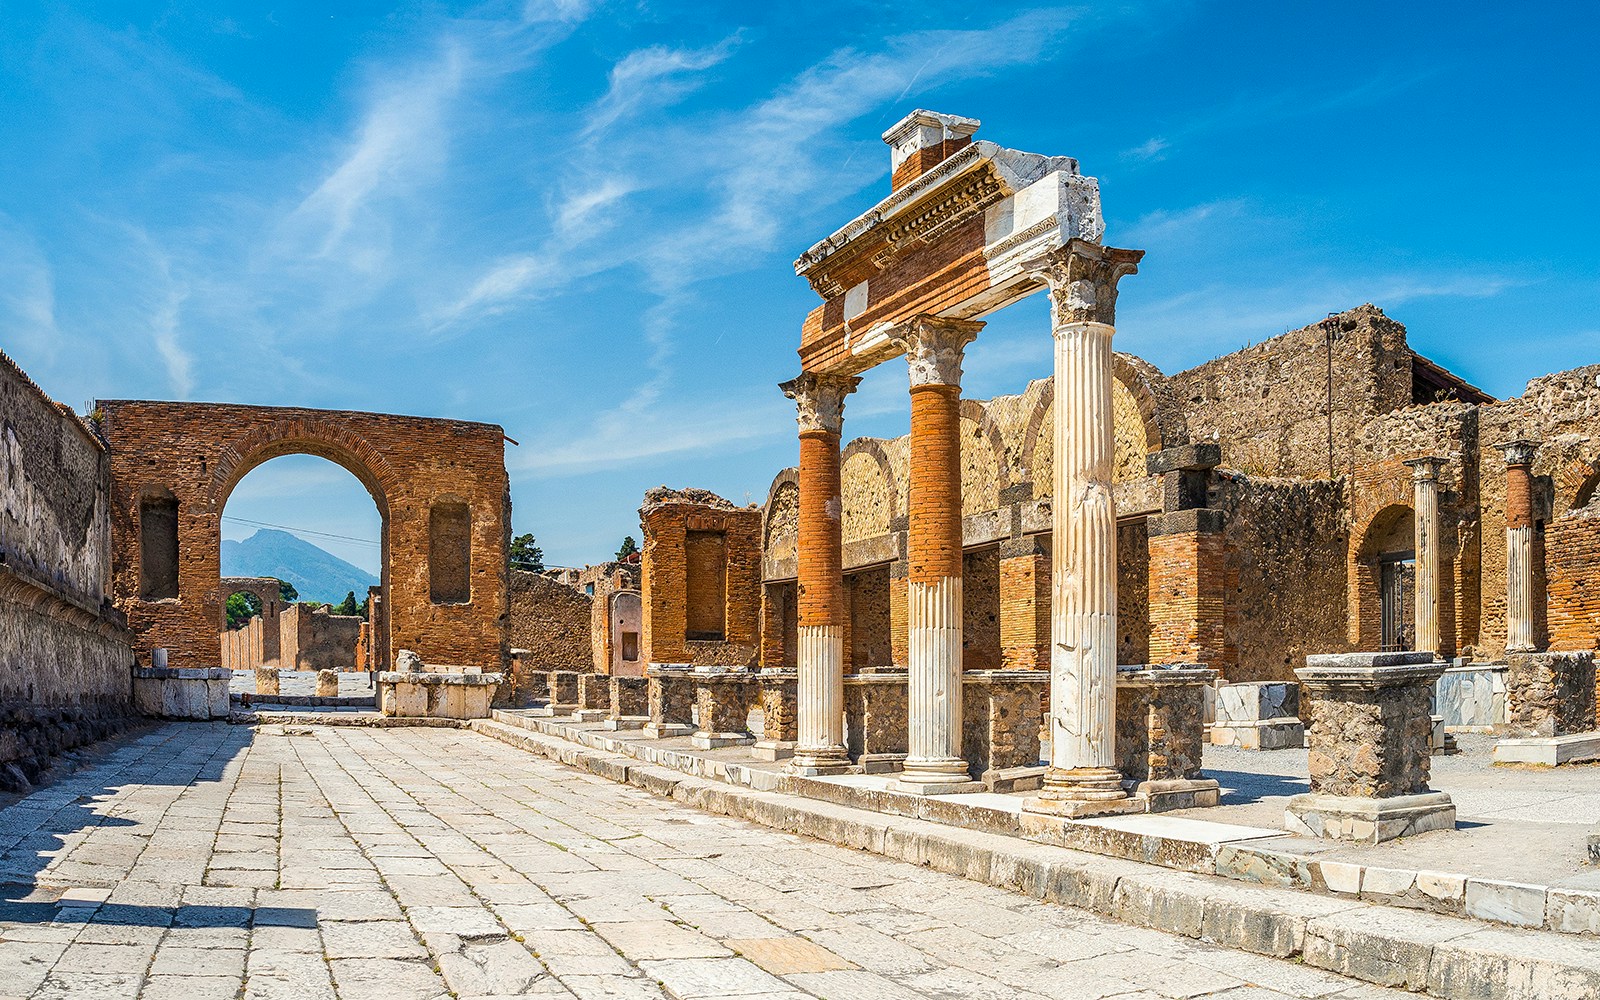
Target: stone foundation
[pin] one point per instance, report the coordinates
(182, 693)
(875, 712)
(630, 703)
(424, 695)
(672, 701)
(723, 701)
(32, 735)
(594, 698)
(1550, 694)
(780, 720)
(1003, 713)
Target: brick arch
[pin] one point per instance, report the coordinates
(1365, 623)
(787, 483)
(1162, 419)
(319, 436)
(1579, 481)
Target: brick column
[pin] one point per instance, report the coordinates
(1188, 559)
(820, 402)
(1025, 604)
(1519, 546)
(934, 347)
(1425, 491)
(1083, 776)
(899, 651)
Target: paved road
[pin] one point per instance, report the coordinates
(207, 861)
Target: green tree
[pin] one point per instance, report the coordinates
(526, 555)
(348, 606)
(242, 607)
(628, 548)
(286, 592)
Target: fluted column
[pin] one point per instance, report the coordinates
(1425, 491)
(934, 349)
(819, 400)
(1519, 545)
(1083, 777)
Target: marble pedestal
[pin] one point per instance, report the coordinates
(1258, 716)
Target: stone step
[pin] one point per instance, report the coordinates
(1441, 955)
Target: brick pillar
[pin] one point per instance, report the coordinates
(1024, 604)
(934, 348)
(1188, 566)
(899, 640)
(819, 400)
(1520, 572)
(1083, 776)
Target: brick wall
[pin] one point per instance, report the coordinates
(552, 621)
(669, 519)
(1572, 557)
(197, 453)
(980, 610)
(315, 640)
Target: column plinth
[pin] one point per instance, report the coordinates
(934, 765)
(820, 745)
(1082, 778)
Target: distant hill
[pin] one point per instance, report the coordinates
(318, 575)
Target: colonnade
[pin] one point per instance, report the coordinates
(1081, 279)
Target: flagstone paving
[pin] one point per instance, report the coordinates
(200, 861)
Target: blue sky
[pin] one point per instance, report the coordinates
(577, 219)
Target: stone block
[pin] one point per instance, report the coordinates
(1550, 694)
(1506, 902)
(1369, 820)
(1471, 695)
(1160, 733)
(1001, 717)
(267, 680)
(327, 683)
(1550, 751)
(564, 692)
(876, 719)
(1572, 911)
(1371, 728)
(723, 702)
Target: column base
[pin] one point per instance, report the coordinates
(626, 722)
(772, 749)
(814, 762)
(665, 730)
(552, 710)
(1368, 821)
(587, 715)
(936, 777)
(712, 741)
(1082, 791)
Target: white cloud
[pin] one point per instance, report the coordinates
(1151, 150)
(653, 78)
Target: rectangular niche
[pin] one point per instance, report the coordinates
(450, 554)
(158, 549)
(706, 566)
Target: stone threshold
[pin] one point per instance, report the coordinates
(1441, 955)
(1255, 855)
(304, 701)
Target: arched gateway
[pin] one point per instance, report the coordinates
(440, 487)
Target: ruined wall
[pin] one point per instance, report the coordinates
(980, 610)
(316, 640)
(1269, 404)
(670, 519)
(868, 637)
(192, 455)
(1133, 592)
(552, 621)
(1572, 559)
(60, 641)
(1285, 594)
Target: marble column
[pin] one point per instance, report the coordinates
(1425, 491)
(1082, 777)
(819, 400)
(934, 347)
(1519, 545)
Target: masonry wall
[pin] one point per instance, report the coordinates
(194, 454)
(1133, 592)
(1572, 559)
(980, 610)
(1285, 592)
(61, 643)
(867, 596)
(553, 622)
(1269, 404)
(669, 519)
(315, 640)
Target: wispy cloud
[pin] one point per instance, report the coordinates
(653, 78)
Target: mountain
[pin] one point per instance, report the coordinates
(316, 574)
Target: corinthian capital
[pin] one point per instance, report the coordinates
(1083, 280)
(819, 400)
(1520, 451)
(934, 347)
(1426, 469)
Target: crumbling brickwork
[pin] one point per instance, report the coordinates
(196, 453)
(313, 639)
(683, 530)
(552, 621)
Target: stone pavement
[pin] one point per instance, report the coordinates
(202, 860)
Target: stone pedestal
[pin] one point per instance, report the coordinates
(723, 701)
(1370, 749)
(1161, 734)
(1550, 709)
(196, 693)
(672, 696)
(1471, 696)
(630, 703)
(267, 681)
(327, 683)
(1258, 716)
(777, 697)
(563, 692)
(423, 694)
(875, 715)
(594, 698)
(1002, 715)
